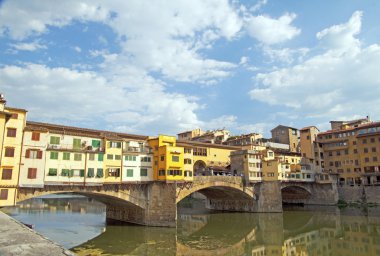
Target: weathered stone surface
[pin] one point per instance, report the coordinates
(17, 239)
(268, 195)
(370, 194)
(309, 193)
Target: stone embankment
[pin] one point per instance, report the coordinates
(368, 194)
(17, 239)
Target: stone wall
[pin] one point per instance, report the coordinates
(315, 194)
(268, 196)
(355, 193)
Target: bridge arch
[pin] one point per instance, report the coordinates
(295, 193)
(215, 187)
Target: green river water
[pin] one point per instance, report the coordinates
(79, 223)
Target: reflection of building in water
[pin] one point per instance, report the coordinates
(267, 250)
(189, 224)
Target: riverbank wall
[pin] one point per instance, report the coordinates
(369, 194)
(17, 239)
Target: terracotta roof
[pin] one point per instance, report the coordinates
(63, 129)
(284, 127)
(190, 143)
(367, 125)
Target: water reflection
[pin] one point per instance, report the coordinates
(306, 231)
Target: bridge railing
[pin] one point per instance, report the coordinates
(230, 179)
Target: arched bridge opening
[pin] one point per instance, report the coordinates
(295, 194)
(222, 193)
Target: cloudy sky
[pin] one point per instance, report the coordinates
(151, 67)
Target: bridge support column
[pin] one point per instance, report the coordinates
(161, 209)
(268, 196)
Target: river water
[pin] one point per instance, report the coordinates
(79, 223)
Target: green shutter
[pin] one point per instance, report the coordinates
(52, 172)
(55, 140)
(100, 157)
(129, 172)
(53, 155)
(77, 143)
(99, 173)
(65, 172)
(81, 173)
(71, 173)
(90, 172)
(143, 172)
(95, 143)
(66, 156)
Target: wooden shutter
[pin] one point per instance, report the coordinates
(7, 174)
(27, 153)
(39, 154)
(3, 194)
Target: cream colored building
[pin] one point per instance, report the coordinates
(137, 161)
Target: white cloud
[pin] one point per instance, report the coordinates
(258, 5)
(342, 81)
(272, 31)
(134, 103)
(167, 42)
(32, 46)
(77, 49)
(285, 55)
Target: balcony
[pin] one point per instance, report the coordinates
(145, 150)
(70, 147)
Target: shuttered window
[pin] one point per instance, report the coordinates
(129, 172)
(9, 152)
(90, 172)
(11, 132)
(52, 172)
(35, 136)
(66, 156)
(78, 157)
(100, 157)
(95, 143)
(54, 155)
(32, 173)
(55, 140)
(99, 173)
(3, 194)
(76, 143)
(143, 172)
(6, 174)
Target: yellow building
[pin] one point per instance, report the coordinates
(168, 159)
(112, 161)
(12, 121)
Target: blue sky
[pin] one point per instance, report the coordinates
(151, 67)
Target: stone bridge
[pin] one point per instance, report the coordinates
(155, 203)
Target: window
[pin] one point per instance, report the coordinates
(11, 132)
(99, 173)
(77, 157)
(330, 153)
(32, 173)
(187, 161)
(55, 140)
(364, 141)
(90, 172)
(65, 172)
(161, 173)
(372, 140)
(76, 143)
(188, 174)
(129, 172)
(270, 174)
(175, 172)
(91, 157)
(9, 152)
(66, 156)
(175, 158)
(14, 116)
(366, 159)
(145, 159)
(354, 142)
(113, 144)
(109, 157)
(374, 158)
(35, 136)
(52, 172)
(308, 137)
(346, 151)
(95, 143)
(365, 150)
(100, 158)
(3, 194)
(355, 151)
(114, 172)
(373, 149)
(162, 158)
(54, 155)
(33, 154)
(117, 157)
(143, 172)
(130, 158)
(7, 174)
